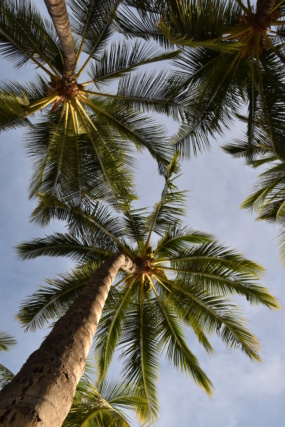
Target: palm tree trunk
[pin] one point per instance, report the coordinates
(264, 12)
(58, 13)
(41, 394)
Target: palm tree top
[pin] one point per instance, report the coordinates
(182, 279)
(254, 27)
(92, 103)
(231, 58)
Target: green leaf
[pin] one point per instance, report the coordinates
(172, 338)
(5, 376)
(140, 352)
(25, 37)
(6, 341)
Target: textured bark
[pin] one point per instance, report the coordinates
(266, 7)
(58, 13)
(265, 15)
(41, 394)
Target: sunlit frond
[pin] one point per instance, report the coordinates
(171, 337)
(88, 164)
(208, 314)
(110, 326)
(103, 404)
(5, 376)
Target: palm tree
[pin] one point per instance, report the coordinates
(184, 279)
(6, 341)
(232, 56)
(80, 141)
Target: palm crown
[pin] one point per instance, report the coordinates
(232, 56)
(183, 278)
(80, 142)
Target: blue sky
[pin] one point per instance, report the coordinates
(247, 394)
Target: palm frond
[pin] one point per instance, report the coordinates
(166, 212)
(92, 22)
(281, 244)
(16, 101)
(121, 58)
(6, 341)
(172, 338)
(121, 395)
(53, 299)
(101, 404)
(134, 220)
(206, 314)
(188, 22)
(142, 130)
(268, 195)
(110, 326)
(24, 37)
(142, 24)
(60, 244)
(225, 272)
(90, 218)
(140, 352)
(211, 92)
(177, 240)
(93, 164)
(5, 376)
(151, 91)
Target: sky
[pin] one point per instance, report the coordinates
(246, 394)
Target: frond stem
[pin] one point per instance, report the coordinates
(99, 39)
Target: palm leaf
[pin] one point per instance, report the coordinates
(192, 21)
(101, 404)
(121, 58)
(208, 313)
(16, 100)
(64, 245)
(167, 211)
(171, 337)
(151, 91)
(91, 21)
(140, 23)
(140, 352)
(177, 240)
(138, 128)
(90, 164)
(110, 326)
(25, 37)
(5, 376)
(6, 341)
(223, 273)
(52, 300)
